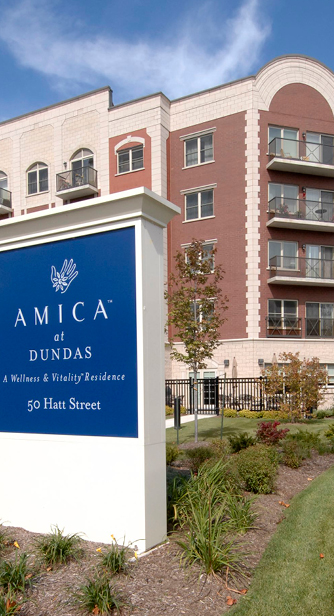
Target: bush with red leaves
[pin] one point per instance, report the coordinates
(267, 432)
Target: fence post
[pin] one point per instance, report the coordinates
(177, 413)
(223, 407)
(191, 395)
(216, 386)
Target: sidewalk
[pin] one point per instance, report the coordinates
(186, 419)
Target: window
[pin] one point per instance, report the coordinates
(320, 148)
(283, 255)
(319, 262)
(131, 159)
(283, 317)
(83, 171)
(198, 150)
(283, 199)
(319, 205)
(199, 205)
(319, 319)
(38, 179)
(3, 180)
(198, 312)
(330, 372)
(82, 158)
(283, 142)
(207, 256)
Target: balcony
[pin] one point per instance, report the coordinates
(5, 201)
(283, 327)
(319, 327)
(301, 157)
(304, 271)
(300, 214)
(76, 183)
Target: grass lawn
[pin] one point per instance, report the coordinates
(209, 429)
(292, 578)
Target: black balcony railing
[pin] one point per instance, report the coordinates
(319, 327)
(302, 267)
(307, 151)
(5, 197)
(301, 209)
(278, 327)
(75, 178)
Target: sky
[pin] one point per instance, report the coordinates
(52, 50)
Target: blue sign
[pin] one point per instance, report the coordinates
(68, 346)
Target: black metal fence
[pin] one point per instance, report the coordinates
(214, 394)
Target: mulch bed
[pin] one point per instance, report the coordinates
(156, 585)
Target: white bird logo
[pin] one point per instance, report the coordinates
(62, 280)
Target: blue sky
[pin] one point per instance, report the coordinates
(51, 50)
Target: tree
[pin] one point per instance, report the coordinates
(300, 382)
(195, 307)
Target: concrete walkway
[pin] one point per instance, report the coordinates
(186, 419)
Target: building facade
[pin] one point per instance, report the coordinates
(250, 163)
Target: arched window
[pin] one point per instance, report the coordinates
(38, 178)
(3, 180)
(82, 158)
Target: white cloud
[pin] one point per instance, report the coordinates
(200, 55)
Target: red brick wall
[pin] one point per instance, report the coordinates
(303, 108)
(228, 225)
(133, 179)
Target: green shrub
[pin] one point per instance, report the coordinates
(57, 548)
(220, 448)
(202, 512)
(307, 441)
(169, 410)
(10, 604)
(321, 414)
(330, 432)
(176, 487)
(240, 441)
(230, 412)
(328, 412)
(4, 538)
(198, 455)
(172, 453)
(114, 559)
(293, 453)
(257, 468)
(13, 574)
(239, 511)
(275, 415)
(98, 594)
(250, 414)
(183, 410)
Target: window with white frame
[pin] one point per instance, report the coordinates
(319, 319)
(319, 205)
(330, 372)
(82, 158)
(208, 253)
(38, 178)
(199, 312)
(198, 150)
(319, 262)
(3, 180)
(199, 204)
(283, 198)
(130, 159)
(283, 142)
(282, 314)
(320, 148)
(283, 255)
